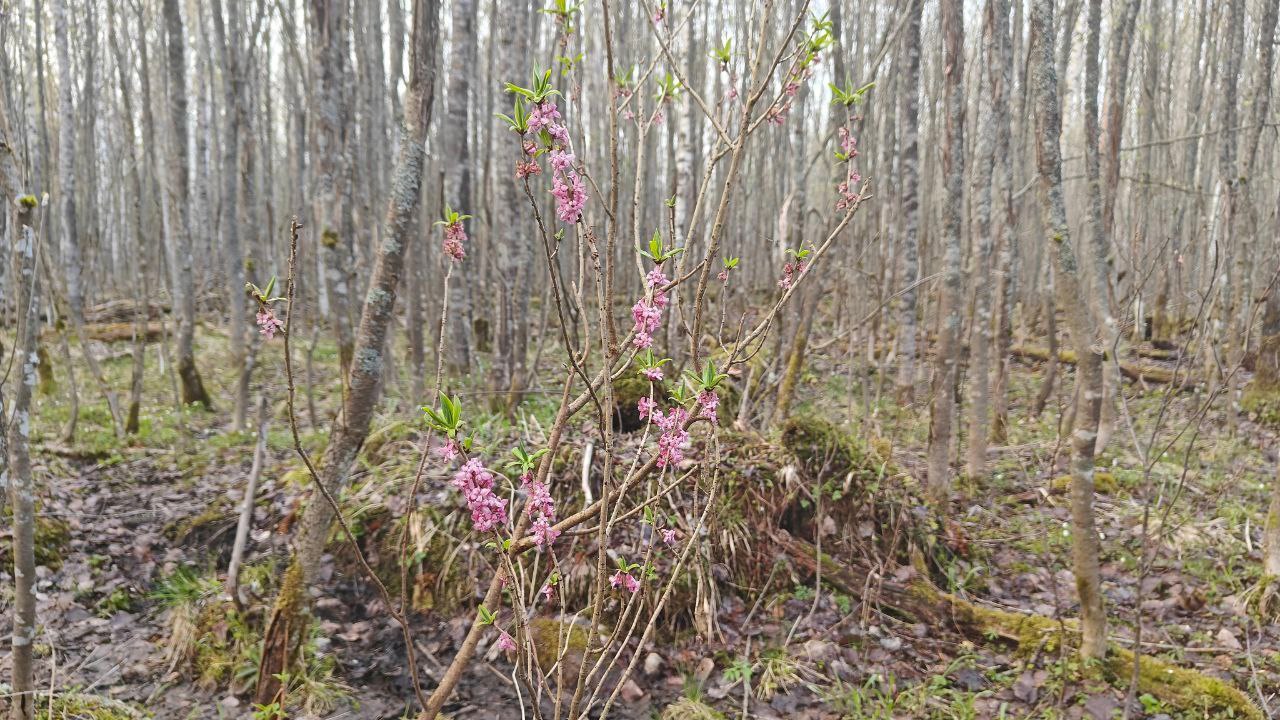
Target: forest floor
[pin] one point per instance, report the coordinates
(135, 537)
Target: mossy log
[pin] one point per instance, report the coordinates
(690, 709)
(919, 600)
(1138, 371)
(87, 707)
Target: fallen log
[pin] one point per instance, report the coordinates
(117, 332)
(1142, 372)
(123, 310)
(914, 598)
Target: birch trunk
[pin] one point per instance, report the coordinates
(18, 477)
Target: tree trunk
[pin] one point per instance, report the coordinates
(946, 364)
(516, 262)
(458, 178)
(71, 260)
(180, 232)
(364, 378)
(908, 115)
(1085, 544)
(21, 484)
(142, 303)
(1008, 238)
(329, 32)
(229, 38)
(1266, 379)
(990, 88)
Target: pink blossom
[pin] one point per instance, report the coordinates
(476, 484)
(723, 276)
(506, 642)
(647, 316)
(562, 160)
(542, 507)
(543, 115)
(848, 144)
(527, 169)
(792, 88)
(544, 533)
(559, 134)
(454, 235)
(540, 501)
(653, 374)
(790, 272)
(646, 407)
(658, 117)
(547, 591)
(846, 189)
(660, 14)
(707, 403)
(669, 536)
(647, 312)
(268, 323)
(622, 579)
(448, 451)
(674, 436)
(570, 194)
(848, 196)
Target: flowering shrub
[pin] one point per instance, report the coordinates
(516, 510)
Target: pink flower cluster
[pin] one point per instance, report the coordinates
(545, 115)
(777, 113)
(790, 272)
(454, 235)
(448, 451)
(527, 168)
(626, 580)
(653, 374)
(506, 642)
(669, 536)
(570, 194)
(647, 312)
(488, 511)
(567, 186)
(646, 407)
(542, 507)
(708, 401)
(674, 436)
(268, 323)
(847, 189)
